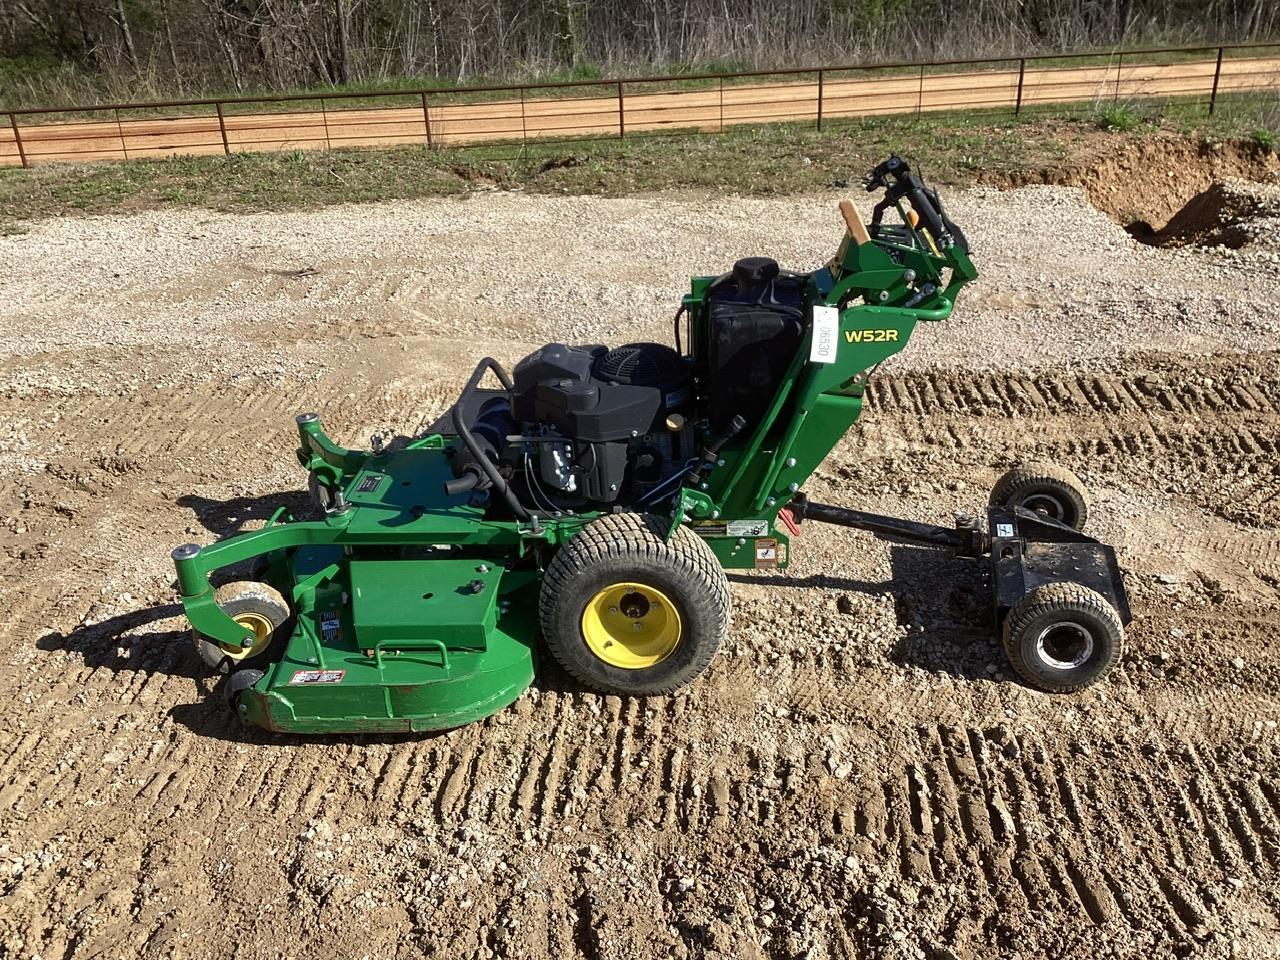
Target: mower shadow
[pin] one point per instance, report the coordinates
(224, 518)
(105, 646)
(942, 602)
(113, 645)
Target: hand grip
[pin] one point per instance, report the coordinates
(922, 205)
(853, 220)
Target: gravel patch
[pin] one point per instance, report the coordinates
(1060, 281)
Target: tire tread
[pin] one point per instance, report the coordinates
(1064, 596)
(623, 536)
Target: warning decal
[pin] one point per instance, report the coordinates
(766, 552)
(317, 676)
(330, 626)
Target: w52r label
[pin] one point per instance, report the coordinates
(826, 335)
(871, 336)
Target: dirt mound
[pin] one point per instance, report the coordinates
(1150, 180)
(1230, 213)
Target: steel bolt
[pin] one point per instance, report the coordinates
(247, 641)
(715, 514)
(185, 552)
(720, 462)
(308, 417)
(483, 568)
(791, 461)
(742, 541)
(613, 609)
(244, 708)
(637, 626)
(793, 487)
(771, 501)
(703, 485)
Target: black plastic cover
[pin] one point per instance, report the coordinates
(555, 386)
(757, 323)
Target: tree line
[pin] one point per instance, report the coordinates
(133, 48)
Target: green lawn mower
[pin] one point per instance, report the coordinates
(591, 500)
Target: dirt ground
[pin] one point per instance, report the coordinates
(857, 775)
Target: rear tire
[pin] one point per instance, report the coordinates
(1063, 637)
(625, 611)
(258, 607)
(1044, 488)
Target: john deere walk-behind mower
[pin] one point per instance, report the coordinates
(590, 501)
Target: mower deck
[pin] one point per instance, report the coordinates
(399, 656)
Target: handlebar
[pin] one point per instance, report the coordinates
(894, 176)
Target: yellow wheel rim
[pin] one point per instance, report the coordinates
(261, 629)
(631, 625)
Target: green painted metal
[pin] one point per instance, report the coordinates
(399, 657)
(415, 610)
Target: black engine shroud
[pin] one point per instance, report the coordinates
(600, 417)
(586, 424)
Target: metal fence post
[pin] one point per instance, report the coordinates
(722, 104)
(120, 132)
(1119, 68)
(426, 117)
(524, 127)
(1213, 95)
(920, 91)
(324, 118)
(622, 120)
(819, 101)
(222, 128)
(1022, 76)
(17, 138)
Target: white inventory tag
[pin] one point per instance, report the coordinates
(826, 335)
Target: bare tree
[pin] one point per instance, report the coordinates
(121, 18)
(278, 44)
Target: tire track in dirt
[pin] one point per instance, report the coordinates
(1095, 826)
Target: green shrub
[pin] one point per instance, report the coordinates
(1117, 117)
(1264, 138)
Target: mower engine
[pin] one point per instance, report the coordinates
(588, 427)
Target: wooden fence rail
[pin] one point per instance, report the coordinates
(706, 103)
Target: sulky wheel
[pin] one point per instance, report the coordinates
(1043, 488)
(260, 609)
(625, 611)
(1063, 636)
